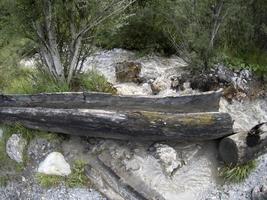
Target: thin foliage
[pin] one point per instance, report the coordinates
(237, 174)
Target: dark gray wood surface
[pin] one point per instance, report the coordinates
(128, 125)
(204, 102)
(235, 150)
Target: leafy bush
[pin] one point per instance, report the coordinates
(256, 60)
(143, 30)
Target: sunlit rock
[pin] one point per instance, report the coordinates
(54, 164)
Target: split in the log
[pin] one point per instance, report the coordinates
(204, 102)
(244, 146)
(126, 125)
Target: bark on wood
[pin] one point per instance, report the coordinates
(141, 125)
(204, 102)
(110, 178)
(235, 150)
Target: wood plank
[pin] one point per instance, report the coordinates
(127, 125)
(204, 102)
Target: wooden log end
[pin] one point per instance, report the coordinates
(228, 151)
(243, 147)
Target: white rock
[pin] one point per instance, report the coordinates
(54, 164)
(168, 157)
(15, 146)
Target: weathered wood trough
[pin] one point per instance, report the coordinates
(183, 118)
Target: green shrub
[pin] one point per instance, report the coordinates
(93, 81)
(144, 30)
(237, 174)
(255, 60)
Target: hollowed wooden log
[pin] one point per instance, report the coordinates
(204, 102)
(128, 125)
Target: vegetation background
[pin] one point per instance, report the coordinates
(202, 32)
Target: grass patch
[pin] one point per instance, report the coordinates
(48, 181)
(32, 81)
(3, 181)
(237, 174)
(76, 179)
(93, 81)
(7, 164)
(30, 134)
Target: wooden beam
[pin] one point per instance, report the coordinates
(126, 125)
(204, 102)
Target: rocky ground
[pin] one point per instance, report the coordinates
(134, 170)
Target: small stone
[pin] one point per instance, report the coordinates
(259, 192)
(167, 156)
(15, 147)
(54, 164)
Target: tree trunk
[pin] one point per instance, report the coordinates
(235, 149)
(75, 58)
(204, 102)
(128, 125)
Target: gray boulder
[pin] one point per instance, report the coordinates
(15, 147)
